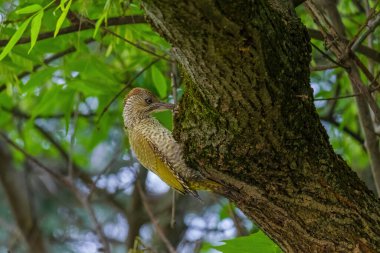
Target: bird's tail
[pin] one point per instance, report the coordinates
(206, 185)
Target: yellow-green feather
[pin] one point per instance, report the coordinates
(151, 160)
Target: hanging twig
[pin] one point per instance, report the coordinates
(154, 221)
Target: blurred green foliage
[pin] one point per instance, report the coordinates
(64, 84)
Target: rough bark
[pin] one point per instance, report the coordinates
(247, 120)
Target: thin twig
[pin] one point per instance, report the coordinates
(242, 231)
(371, 27)
(53, 141)
(366, 72)
(98, 227)
(356, 136)
(51, 172)
(357, 36)
(127, 85)
(372, 85)
(326, 55)
(104, 171)
(323, 68)
(172, 218)
(154, 221)
(145, 248)
(104, 28)
(135, 45)
(337, 98)
(365, 50)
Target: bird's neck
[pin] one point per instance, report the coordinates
(133, 119)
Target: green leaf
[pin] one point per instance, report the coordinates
(159, 81)
(165, 118)
(35, 29)
(92, 87)
(254, 243)
(16, 36)
(98, 24)
(38, 79)
(29, 9)
(224, 211)
(47, 102)
(62, 4)
(62, 18)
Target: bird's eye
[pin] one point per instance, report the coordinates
(148, 101)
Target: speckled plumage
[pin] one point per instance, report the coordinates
(154, 145)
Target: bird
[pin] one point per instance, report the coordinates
(154, 145)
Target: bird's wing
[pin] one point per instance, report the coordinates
(152, 159)
(183, 183)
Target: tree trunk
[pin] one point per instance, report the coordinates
(247, 119)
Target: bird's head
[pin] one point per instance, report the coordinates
(139, 103)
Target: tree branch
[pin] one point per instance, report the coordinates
(15, 187)
(47, 61)
(369, 52)
(115, 21)
(323, 67)
(339, 48)
(355, 136)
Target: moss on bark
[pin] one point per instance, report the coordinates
(247, 119)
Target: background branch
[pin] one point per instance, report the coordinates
(115, 21)
(15, 186)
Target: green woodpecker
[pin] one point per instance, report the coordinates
(154, 145)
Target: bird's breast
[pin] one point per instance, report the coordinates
(151, 157)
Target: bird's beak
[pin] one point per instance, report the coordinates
(160, 106)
